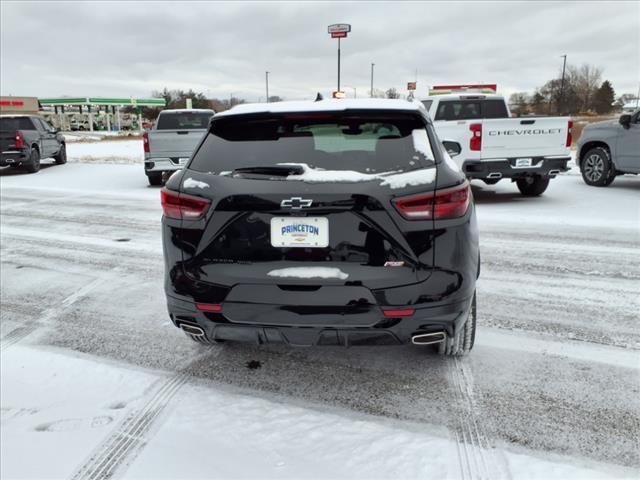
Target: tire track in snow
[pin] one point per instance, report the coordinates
(23, 331)
(478, 460)
(131, 436)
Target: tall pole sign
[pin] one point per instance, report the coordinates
(339, 30)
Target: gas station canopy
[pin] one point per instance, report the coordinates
(96, 101)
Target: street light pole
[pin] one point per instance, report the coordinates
(266, 76)
(564, 66)
(371, 92)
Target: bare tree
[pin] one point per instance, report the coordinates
(392, 93)
(519, 103)
(585, 81)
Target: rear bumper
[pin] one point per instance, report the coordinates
(163, 164)
(13, 158)
(383, 330)
(505, 168)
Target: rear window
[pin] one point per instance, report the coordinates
(15, 123)
(366, 143)
(494, 109)
(183, 121)
(458, 110)
(471, 109)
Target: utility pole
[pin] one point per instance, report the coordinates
(371, 92)
(564, 66)
(266, 77)
(338, 63)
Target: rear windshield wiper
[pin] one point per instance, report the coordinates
(274, 170)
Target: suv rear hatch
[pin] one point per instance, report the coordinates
(304, 202)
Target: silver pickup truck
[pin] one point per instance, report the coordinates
(610, 148)
(172, 140)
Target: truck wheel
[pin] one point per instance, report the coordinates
(34, 162)
(532, 186)
(596, 168)
(463, 341)
(155, 178)
(61, 156)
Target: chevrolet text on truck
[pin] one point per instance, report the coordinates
(527, 150)
(170, 143)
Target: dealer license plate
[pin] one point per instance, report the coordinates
(300, 232)
(523, 162)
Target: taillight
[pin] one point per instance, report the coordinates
(145, 142)
(569, 133)
(182, 206)
(439, 205)
(208, 307)
(19, 140)
(475, 143)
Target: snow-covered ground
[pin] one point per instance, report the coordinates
(96, 382)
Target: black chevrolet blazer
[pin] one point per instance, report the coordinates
(338, 222)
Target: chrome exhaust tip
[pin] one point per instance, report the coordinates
(192, 330)
(428, 338)
(553, 173)
(494, 175)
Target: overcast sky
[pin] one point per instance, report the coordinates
(132, 48)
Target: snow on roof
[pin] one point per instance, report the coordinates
(178, 110)
(323, 106)
(458, 95)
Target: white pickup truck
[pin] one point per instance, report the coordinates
(172, 140)
(528, 150)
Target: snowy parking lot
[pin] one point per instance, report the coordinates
(97, 382)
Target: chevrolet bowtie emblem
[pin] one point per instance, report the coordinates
(296, 203)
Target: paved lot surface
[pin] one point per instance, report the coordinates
(556, 364)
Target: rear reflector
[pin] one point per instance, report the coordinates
(399, 313)
(207, 307)
(569, 133)
(181, 206)
(439, 205)
(475, 143)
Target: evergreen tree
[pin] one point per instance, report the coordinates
(604, 98)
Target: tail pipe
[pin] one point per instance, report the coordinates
(428, 338)
(494, 175)
(192, 329)
(553, 173)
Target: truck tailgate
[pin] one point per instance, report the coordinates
(524, 137)
(173, 143)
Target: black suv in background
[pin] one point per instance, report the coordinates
(26, 139)
(338, 222)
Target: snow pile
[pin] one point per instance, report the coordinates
(391, 179)
(106, 151)
(309, 272)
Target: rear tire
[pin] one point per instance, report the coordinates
(596, 168)
(34, 162)
(61, 156)
(462, 343)
(532, 186)
(155, 178)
